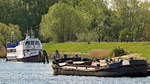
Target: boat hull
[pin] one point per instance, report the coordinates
(127, 70)
(27, 59)
(31, 59)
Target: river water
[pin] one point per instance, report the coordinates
(38, 73)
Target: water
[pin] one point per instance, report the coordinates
(38, 73)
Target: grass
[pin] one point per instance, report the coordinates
(142, 48)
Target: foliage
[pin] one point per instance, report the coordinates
(119, 52)
(25, 13)
(62, 23)
(87, 37)
(67, 20)
(130, 13)
(124, 35)
(98, 13)
(146, 33)
(9, 33)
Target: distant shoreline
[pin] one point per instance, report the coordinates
(81, 48)
(142, 48)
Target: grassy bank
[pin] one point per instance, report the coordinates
(142, 48)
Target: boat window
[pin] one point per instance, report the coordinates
(14, 50)
(32, 42)
(27, 43)
(37, 43)
(11, 50)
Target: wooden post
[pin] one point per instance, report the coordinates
(45, 56)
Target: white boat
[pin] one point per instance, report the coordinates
(26, 50)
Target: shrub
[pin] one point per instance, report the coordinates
(118, 52)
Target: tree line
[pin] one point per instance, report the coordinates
(77, 20)
(25, 14)
(97, 20)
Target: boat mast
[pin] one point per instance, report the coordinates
(12, 36)
(32, 36)
(27, 36)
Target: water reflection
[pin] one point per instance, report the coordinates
(38, 73)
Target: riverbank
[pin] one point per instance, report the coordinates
(141, 48)
(82, 48)
(2, 52)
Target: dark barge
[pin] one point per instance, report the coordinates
(101, 68)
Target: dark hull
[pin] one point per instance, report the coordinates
(41, 57)
(31, 59)
(129, 71)
(27, 59)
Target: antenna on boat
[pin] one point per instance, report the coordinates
(32, 36)
(12, 36)
(27, 34)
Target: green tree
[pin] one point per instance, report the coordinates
(25, 13)
(131, 14)
(8, 33)
(125, 35)
(99, 16)
(87, 36)
(62, 23)
(146, 33)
